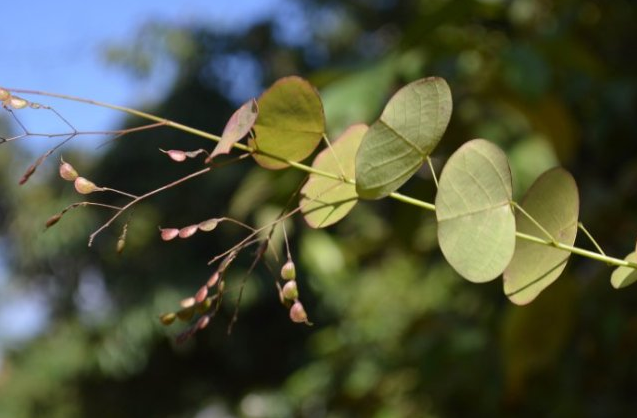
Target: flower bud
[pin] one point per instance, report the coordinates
(297, 313)
(201, 294)
(288, 271)
(67, 172)
(209, 225)
(84, 186)
(168, 233)
(168, 318)
(290, 291)
(188, 231)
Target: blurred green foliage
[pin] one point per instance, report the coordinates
(397, 333)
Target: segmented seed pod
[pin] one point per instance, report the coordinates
(53, 220)
(176, 155)
(290, 290)
(213, 279)
(188, 231)
(186, 314)
(204, 306)
(187, 303)
(209, 225)
(168, 233)
(84, 186)
(297, 313)
(201, 294)
(121, 243)
(4, 95)
(18, 102)
(202, 322)
(67, 172)
(168, 318)
(288, 271)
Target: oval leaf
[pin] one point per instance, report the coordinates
(325, 201)
(397, 144)
(290, 124)
(238, 126)
(553, 201)
(624, 276)
(476, 225)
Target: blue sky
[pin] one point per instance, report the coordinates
(57, 46)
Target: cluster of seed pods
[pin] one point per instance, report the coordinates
(290, 294)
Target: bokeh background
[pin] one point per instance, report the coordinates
(396, 332)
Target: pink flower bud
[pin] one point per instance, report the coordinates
(67, 172)
(290, 291)
(84, 186)
(288, 271)
(188, 231)
(297, 313)
(168, 233)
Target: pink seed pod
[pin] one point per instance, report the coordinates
(202, 322)
(209, 225)
(67, 172)
(290, 290)
(213, 279)
(175, 155)
(201, 294)
(188, 231)
(187, 303)
(27, 174)
(297, 313)
(168, 233)
(84, 186)
(288, 271)
(4, 94)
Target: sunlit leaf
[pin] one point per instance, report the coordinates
(553, 202)
(238, 126)
(476, 225)
(624, 276)
(325, 201)
(397, 144)
(290, 124)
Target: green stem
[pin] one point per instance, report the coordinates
(590, 237)
(532, 219)
(397, 196)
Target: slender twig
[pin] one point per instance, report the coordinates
(590, 237)
(433, 172)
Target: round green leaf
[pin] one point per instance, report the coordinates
(290, 124)
(325, 201)
(397, 144)
(624, 276)
(476, 225)
(553, 202)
